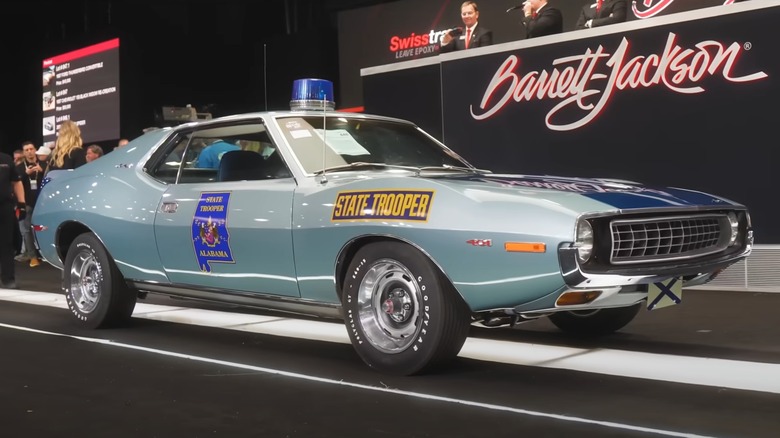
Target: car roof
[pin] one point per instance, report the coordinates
(281, 114)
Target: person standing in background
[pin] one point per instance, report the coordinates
(18, 155)
(122, 142)
(18, 241)
(42, 154)
(12, 203)
(68, 151)
(211, 155)
(94, 152)
(602, 13)
(30, 171)
(541, 19)
(473, 35)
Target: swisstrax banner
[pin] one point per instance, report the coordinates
(682, 104)
(412, 29)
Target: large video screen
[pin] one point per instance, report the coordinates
(83, 86)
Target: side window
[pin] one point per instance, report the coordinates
(222, 153)
(193, 152)
(168, 166)
(212, 150)
(250, 165)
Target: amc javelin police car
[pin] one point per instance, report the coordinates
(371, 221)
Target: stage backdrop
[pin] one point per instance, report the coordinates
(410, 29)
(681, 103)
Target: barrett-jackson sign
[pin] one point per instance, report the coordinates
(642, 9)
(584, 83)
(404, 30)
(681, 104)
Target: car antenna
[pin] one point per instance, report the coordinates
(265, 76)
(324, 179)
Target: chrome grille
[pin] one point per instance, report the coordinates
(670, 238)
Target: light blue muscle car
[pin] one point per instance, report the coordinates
(371, 221)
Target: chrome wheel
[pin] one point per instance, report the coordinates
(86, 275)
(388, 306)
(95, 291)
(401, 315)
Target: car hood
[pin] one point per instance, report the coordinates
(616, 193)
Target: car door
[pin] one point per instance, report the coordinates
(227, 228)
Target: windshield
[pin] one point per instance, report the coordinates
(360, 140)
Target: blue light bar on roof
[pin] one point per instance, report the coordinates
(312, 94)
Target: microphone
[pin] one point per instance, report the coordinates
(515, 7)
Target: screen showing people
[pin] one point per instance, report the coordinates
(83, 86)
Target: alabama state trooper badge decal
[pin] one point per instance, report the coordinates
(210, 236)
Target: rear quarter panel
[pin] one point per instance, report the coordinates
(113, 198)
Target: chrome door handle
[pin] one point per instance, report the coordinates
(169, 207)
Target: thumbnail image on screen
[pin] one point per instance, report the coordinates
(83, 86)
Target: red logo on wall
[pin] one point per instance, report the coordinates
(650, 8)
(414, 44)
(585, 83)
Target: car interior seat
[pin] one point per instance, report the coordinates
(250, 166)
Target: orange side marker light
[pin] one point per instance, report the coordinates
(537, 247)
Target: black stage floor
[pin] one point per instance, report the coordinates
(708, 367)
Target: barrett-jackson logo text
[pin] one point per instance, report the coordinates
(678, 69)
(651, 8)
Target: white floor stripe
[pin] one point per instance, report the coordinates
(608, 424)
(743, 375)
(723, 373)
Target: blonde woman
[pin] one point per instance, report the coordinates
(68, 153)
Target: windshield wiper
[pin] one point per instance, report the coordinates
(366, 165)
(458, 168)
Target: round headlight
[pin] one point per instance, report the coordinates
(584, 241)
(734, 222)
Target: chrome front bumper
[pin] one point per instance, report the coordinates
(699, 270)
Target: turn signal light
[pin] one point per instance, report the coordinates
(525, 247)
(572, 298)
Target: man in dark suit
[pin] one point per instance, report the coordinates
(602, 13)
(472, 35)
(12, 205)
(541, 19)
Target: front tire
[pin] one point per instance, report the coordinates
(402, 316)
(595, 322)
(94, 288)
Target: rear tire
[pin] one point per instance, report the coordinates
(94, 288)
(595, 322)
(402, 316)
